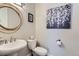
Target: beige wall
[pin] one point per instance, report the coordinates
(27, 29)
(47, 37)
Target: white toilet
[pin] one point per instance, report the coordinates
(36, 51)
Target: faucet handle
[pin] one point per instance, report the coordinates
(6, 41)
(11, 39)
(1, 42)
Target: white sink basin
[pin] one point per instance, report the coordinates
(13, 47)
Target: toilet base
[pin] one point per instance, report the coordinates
(34, 54)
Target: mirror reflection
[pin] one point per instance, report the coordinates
(7, 17)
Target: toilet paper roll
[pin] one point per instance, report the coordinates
(59, 43)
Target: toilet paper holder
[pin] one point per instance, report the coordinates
(59, 42)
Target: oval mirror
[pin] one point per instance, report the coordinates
(10, 18)
(7, 18)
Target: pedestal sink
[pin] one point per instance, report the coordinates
(13, 47)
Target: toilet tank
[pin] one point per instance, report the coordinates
(31, 43)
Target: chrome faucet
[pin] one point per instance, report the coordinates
(12, 39)
(3, 42)
(7, 41)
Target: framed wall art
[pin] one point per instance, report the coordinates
(30, 17)
(59, 17)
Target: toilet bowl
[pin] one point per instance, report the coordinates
(36, 51)
(40, 51)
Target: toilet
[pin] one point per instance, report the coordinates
(36, 51)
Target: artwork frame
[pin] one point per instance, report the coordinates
(30, 17)
(59, 17)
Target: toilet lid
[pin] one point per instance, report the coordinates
(40, 51)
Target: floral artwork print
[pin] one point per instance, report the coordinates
(59, 17)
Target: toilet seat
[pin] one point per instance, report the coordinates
(40, 51)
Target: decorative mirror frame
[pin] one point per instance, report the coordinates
(16, 9)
